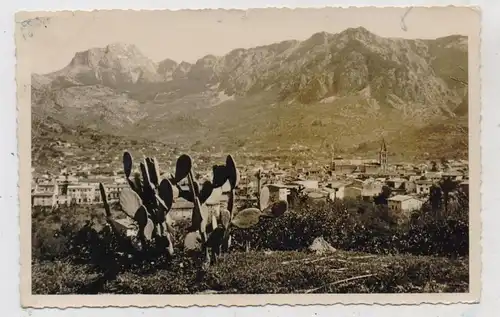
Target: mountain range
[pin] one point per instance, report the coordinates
(348, 89)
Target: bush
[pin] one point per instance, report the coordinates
(366, 228)
(348, 225)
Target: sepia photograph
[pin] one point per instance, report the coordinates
(270, 151)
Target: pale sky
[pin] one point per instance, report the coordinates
(189, 35)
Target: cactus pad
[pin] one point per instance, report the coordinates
(220, 175)
(152, 171)
(157, 169)
(192, 241)
(148, 229)
(130, 202)
(214, 221)
(182, 167)
(264, 198)
(162, 210)
(104, 200)
(205, 220)
(205, 192)
(170, 248)
(187, 194)
(166, 193)
(246, 218)
(232, 172)
(145, 175)
(141, 216)
(137, 182)
(276, 210)
(127, 164)
(225, 218)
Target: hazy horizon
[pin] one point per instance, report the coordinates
(190, 35)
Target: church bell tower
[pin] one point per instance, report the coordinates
(383, 156)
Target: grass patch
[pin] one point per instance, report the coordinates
(262, 272)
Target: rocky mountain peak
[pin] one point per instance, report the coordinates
(166, 68)
(107, 56)
(114, 65)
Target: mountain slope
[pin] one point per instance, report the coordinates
(349, 88)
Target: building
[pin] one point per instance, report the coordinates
(63, 200)
(423, 186)
(112, 192)
(337, 190)
(396, 183)
(352, 191)
(46, 199)
(45, 194)
(81, 193)
(316, 194)
(341, 166)
(410, 187)
(404, 203)
(371, 189)
(308, 184)
(48, 187)
(278, 192)
(453, 175)
(370, 168)
(433, 176)
(276, 176)
(181, 209)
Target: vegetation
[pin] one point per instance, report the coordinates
(259, 272)
(387, 252)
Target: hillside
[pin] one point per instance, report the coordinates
(56, 145)
(349, 88)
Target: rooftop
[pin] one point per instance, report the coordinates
(423, 182)
(280, 186)
(43, 194)
(401, 198)
(336, 184)
(81, 186)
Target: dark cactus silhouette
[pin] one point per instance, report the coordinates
(150, 198)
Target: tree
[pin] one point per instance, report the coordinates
(434, 166)
(435, 196)
(444, 163)
(447, 185)
(381, 199)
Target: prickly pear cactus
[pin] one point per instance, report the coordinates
(215, 234)
(150, 197)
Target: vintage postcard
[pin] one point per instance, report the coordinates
(267, 156)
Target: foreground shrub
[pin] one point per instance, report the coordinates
(367, 228)
(347, 225)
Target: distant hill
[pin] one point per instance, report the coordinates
(348, 89)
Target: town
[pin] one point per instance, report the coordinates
(409, 184)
